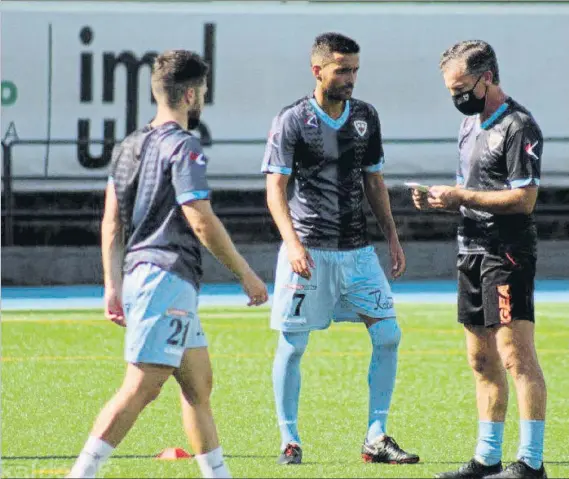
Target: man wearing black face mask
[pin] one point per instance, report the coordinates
(498, 175)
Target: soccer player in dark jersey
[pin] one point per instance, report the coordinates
(157, 199)
(326, 149)
(500, 147)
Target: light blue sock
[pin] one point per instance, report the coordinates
(385, 336)
(490, 438)
(286, 383)
(531, 442)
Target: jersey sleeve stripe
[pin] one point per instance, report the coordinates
(193, 196)
(524, 182)
(374, 168)
(283, 170)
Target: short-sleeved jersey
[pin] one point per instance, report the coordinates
(327, 159)
(503, 152)
(154, 172)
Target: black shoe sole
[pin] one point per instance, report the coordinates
(370, 458)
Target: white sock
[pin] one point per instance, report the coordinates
(94, 454)
(212, 464)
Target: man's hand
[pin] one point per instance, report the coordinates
(113, 307)
(445, 197)
(254, 288)
(397, 258)
(420, 199)
(300, 259)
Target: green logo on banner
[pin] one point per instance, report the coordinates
(9, 93)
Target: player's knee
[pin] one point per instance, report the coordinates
(293, 344)
(151, 393)
(142, 388)
(143, 393)
(479, 362)
(517, 364)
(198, 395)
(385, 334)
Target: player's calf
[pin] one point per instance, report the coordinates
(141, 386)
(195, 378)
(286, 384)
(385, 336)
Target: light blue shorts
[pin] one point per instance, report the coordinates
(344, 284)
(161, 316)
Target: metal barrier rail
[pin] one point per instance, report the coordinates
(8, 177)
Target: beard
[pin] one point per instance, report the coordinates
(338, 93)
(193, 119)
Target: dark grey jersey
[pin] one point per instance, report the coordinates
(154, 171)
(327, 159)
(504, 152)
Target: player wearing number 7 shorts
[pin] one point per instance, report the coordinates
(330, 145)
(157, 201)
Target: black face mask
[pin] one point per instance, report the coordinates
(467, 103)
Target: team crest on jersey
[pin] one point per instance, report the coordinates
(361, 127)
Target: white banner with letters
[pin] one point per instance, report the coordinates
(79, 71)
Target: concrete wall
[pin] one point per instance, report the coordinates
(68, 266)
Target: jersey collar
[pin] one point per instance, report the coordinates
(335, 124)
(494, 117)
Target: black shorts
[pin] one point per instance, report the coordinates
(494, 290)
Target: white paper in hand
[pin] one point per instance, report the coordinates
(417, 186)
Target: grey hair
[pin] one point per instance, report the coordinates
(478, 56)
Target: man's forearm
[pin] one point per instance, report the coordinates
(378, 197)
(278, 206)
(112, 248)
(213, 235)
(505, 202)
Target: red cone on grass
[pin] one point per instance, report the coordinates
(173, 454)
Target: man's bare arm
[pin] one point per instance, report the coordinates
(517, 200)
(378, 197)
(112, 241)
(278, 206)
(299, 257)
(213, 235)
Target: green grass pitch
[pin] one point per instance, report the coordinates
(59, 368)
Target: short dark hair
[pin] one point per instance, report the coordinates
(328, 43)
(478, 56)
(174, 71)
